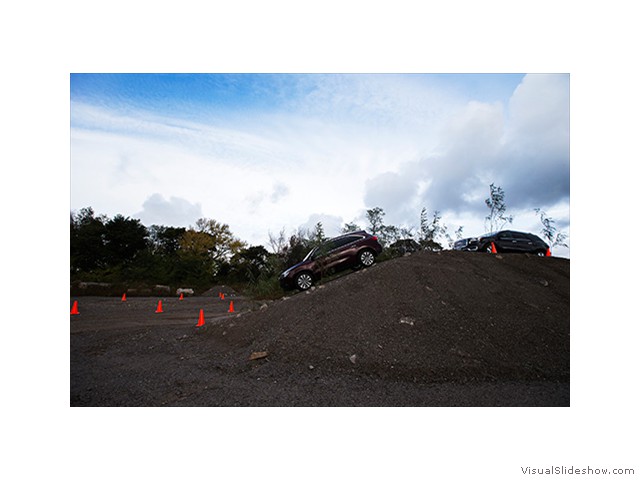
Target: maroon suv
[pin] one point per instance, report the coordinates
(351, 250)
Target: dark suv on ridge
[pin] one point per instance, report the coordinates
(466, 244)
(351, 250)
(508, 241)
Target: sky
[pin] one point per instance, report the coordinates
(270, 152)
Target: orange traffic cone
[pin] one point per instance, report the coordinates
(74, 309)
(231, 310)
(222, 296)
(181, 296)
(159, 309)
(548, 254)
(201, 319)
(124, 297)
(493, 248)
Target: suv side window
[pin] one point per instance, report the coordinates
(352, 238)
(534, 238)
(342, 241)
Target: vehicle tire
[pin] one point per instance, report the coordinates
(488, 249)
(304, 281)
(366, 258)
(541, 253)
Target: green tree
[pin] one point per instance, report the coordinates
(497, 217)
(204, 250)
(375, 217)
(390, 234)
(165, 240)
(350, 227)
(317, 236)
(386, 233)
(299, 246)
(164, 247)
(250, 264)
(407, 232)
(87, 241)
(430, 230)
(124, 238)
(223, 244)
(549, 231)
(196, 258)
(451, 240)
(278, 243)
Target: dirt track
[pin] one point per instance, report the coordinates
(450, 329)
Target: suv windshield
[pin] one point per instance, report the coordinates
(310, 255)
(320, 250)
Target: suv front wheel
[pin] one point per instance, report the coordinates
(304, 281)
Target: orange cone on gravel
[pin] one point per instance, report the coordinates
(222, 296)
(181, 296)
(201, 319)
(74, 308)
(231, 310)
(493, 248)
(124, 297)
(159, 308)
(548, 254)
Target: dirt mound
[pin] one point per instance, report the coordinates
(425, 317)
(453, 329)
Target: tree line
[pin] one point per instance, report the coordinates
(123, 252)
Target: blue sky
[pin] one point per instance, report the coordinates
(231, 92)
(266, 152)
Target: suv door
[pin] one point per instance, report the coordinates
(537, 244)
(341, 255)
(523, 243)
(506, 242)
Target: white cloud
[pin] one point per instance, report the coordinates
(539, 114)
(331, 224)
(474, 132)
(394, 193)
(280, 191)
(510, 145)
(176, 212)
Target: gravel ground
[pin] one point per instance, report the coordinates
(448, 329)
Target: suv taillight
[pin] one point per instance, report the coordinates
(375, 238)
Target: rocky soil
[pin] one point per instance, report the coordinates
(429, 329)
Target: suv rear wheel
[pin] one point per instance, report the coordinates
(366, 258)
